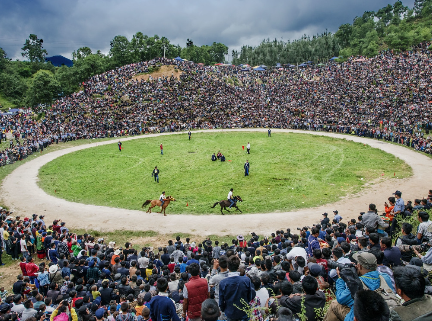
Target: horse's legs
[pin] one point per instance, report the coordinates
(238, 209)
(222, 207)
(149, 209)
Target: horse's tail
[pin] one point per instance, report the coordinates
(146, 203)
(214, 205)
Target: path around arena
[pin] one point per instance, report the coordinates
(21, 194)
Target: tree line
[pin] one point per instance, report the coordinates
(34, 81)
(394, 27)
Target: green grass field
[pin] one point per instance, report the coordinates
(288, 171)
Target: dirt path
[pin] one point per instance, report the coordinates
(21, 193)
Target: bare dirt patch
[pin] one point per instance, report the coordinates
(164, 71)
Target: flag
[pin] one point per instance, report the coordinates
(243, 147)
(187, 203)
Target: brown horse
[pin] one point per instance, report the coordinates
(225, 203)
(154, 203)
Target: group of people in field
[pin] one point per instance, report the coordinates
(385, 97)
(364, 269)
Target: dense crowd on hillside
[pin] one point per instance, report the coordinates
(386, 97)
(335, 270)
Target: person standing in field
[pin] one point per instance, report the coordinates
(119, 145)
(269, 132)
(155, 174)
(248, 148)
(189, 134)
(161, 148)
(246, 168)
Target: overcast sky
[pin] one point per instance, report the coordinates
(66, 25)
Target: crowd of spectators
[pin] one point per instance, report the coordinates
(335, 270)
(386, 97)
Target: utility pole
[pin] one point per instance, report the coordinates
(164, 48)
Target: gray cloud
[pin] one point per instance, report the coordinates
(67, 25)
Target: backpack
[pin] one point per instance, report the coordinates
(62, 317)
(392, 299)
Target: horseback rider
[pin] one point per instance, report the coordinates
(230, 198)
(162, 199)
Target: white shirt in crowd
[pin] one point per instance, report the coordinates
(263, 296)
(23, 245)
(296, 251)
(423, 229)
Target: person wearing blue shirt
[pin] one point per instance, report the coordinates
(52, 254)
(313, 242)
(322, 232)
(337, 217)
(161, 307)
(192, 260)
(342, 307)
(183, 265)
(400, 204)
(157, 264)
(233, 290)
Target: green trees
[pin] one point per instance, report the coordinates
(392, 27)
(34, 82)
(43, 89)
(205, 54)
(3, 60)
(318, 49)
(120, 51)
(33, 49)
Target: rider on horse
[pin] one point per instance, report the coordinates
(162, 198)
(230, 198)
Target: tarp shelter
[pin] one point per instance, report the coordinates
(219, 64)
(303, 65)
(309, 62)
(334, 58)
(263, 66)
(359, 60)
(278, 65)
(259, 69)
(59, 61)
(178, 59)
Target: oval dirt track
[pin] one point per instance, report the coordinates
(21, 193)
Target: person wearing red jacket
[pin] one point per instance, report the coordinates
(195, 292)
(23, 265)
(56, 226)
(32, 270)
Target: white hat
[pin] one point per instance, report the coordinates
(53, 268)
(117, 252)
(111, 244)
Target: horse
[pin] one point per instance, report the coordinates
(226, 203)
(154, 203)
